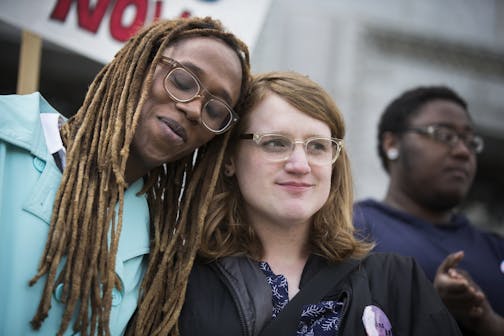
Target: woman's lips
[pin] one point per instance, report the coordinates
(294, 185)
(175, 127)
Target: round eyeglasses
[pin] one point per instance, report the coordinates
(450, 137)
(276, 147)
(183, 86)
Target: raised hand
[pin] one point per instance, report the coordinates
(465, 299)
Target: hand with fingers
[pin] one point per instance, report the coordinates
(465, 299)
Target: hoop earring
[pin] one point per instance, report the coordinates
(392, 154)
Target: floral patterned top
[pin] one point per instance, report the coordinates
(321, 319)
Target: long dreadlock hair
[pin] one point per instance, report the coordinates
(85, 226)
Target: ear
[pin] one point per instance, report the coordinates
(391, 145)
(229, 167)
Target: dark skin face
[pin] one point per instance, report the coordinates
(430, 178)
(168, 130)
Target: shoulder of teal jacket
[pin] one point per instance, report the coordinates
(20, 122)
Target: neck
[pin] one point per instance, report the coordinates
(286, 240)
(402, 202)
(282, 253)
(285, 250)
(134, 170)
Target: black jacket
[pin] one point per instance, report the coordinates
(231, 297)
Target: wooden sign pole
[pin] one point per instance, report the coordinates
(29, 63)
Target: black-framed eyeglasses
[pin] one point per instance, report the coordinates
(277, 147)
(183, 86)
(450, 137)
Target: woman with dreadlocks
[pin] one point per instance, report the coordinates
(94, 211)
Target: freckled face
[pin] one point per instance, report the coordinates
(281, 193)
(167, 130)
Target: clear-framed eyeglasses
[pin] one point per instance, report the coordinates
(450, 137)
(183, 86)
(277, 148)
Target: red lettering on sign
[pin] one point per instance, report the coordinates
(61, 9)
(185, 14)
(158, 9)
(121, 32)
(88, 18)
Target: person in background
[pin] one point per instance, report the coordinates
(428, 146)
(278, 254)
(94, 210)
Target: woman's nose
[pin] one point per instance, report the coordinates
(298, 161)
(192, 109)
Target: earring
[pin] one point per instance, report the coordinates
(228, 172)
(392, 154)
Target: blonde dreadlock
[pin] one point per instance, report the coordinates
(85, 227)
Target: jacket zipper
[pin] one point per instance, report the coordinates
(346, 295)
(241, 314)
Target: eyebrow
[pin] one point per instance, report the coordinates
(198, 72)
(289, 135)
(467, 128)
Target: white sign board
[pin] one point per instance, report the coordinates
(98, 28)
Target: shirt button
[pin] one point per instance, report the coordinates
(39, 164)
(58, 291)
(116, 297)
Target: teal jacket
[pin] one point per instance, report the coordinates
(29, 179)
